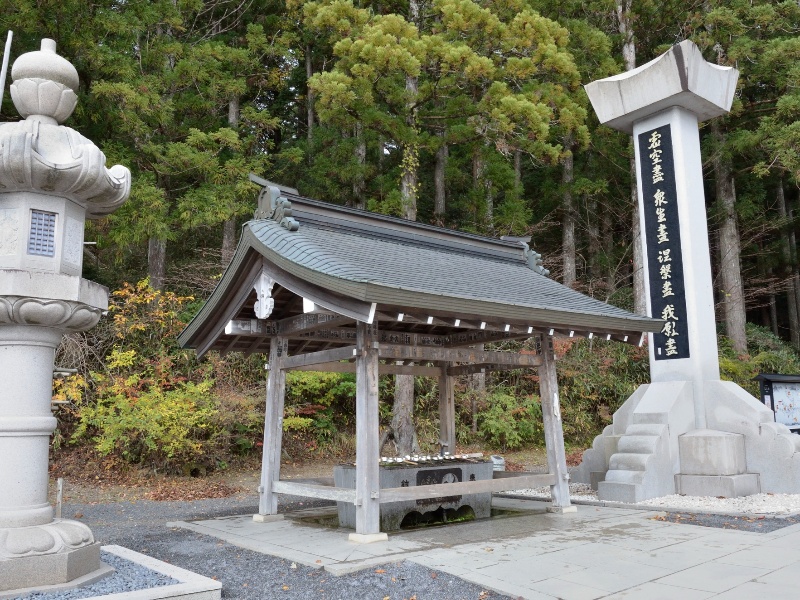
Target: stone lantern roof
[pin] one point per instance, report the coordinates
(40, 155)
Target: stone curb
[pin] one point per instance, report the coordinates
(192, 585)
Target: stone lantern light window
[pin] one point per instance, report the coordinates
(42, 238)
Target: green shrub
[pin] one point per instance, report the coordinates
(164, 429)
(508, 421)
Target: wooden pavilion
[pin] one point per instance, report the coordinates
(328, 288)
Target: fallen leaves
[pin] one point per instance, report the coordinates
(188, 489)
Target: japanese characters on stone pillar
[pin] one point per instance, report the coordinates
(661, 104)
(51, 179)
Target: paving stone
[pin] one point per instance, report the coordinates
(658, 591)
(713, 577)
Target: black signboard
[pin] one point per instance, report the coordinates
(663, 238)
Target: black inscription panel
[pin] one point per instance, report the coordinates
(663, 240)
(437, 476)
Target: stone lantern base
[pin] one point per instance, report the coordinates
(55, 553)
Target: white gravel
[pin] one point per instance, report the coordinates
(757, 504)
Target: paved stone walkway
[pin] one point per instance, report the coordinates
(597, 552)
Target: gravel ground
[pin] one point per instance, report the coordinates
(757, 504)
(756, 524)
(127, 577)
(249, 575)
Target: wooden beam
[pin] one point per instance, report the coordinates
(368, 513)
(422, 492)
(461, 355)
(317, 358)
(349, 367)
(477, 368)
(294, 326)
(553, 429)
(310, 490)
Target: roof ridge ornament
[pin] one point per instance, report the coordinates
(534, 259)
(271, 205)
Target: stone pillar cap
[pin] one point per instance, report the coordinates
(679, 77)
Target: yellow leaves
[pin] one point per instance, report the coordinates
(119, 359)
(69, 389)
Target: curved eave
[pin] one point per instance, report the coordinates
(235, 286)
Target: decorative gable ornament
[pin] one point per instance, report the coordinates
(265, 303)
(271, 205)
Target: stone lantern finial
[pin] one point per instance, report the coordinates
(44, 85)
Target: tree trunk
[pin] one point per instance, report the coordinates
(229, 226)
(795, 265)
(482, 184)
(595, 248)
(156, 262)
(410, 167)
(518, 172)
(730, 251)
(569, 216)
(625, 28)
(440, 197)
(405, 433)
(359, 184)
(403, 409)
(788, 262)
(228, 242)
(607, 241)
(309, 99)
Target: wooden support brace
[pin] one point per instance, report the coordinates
(318, 358)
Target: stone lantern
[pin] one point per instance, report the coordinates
(51, 179)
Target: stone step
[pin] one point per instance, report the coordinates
(729, 486)
(615, 491)
(624, 461)
(618, 476)
(638, 444)
(645, 429)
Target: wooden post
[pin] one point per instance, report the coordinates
(273, 429)
(553, 431)
(447, 411)
(367, 442)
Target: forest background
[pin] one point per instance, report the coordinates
(466, 114)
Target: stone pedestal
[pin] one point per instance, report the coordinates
(34, 548)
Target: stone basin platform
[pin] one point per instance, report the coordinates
(406, 513)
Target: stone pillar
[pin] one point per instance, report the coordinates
(51, 179)
(660, 104)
